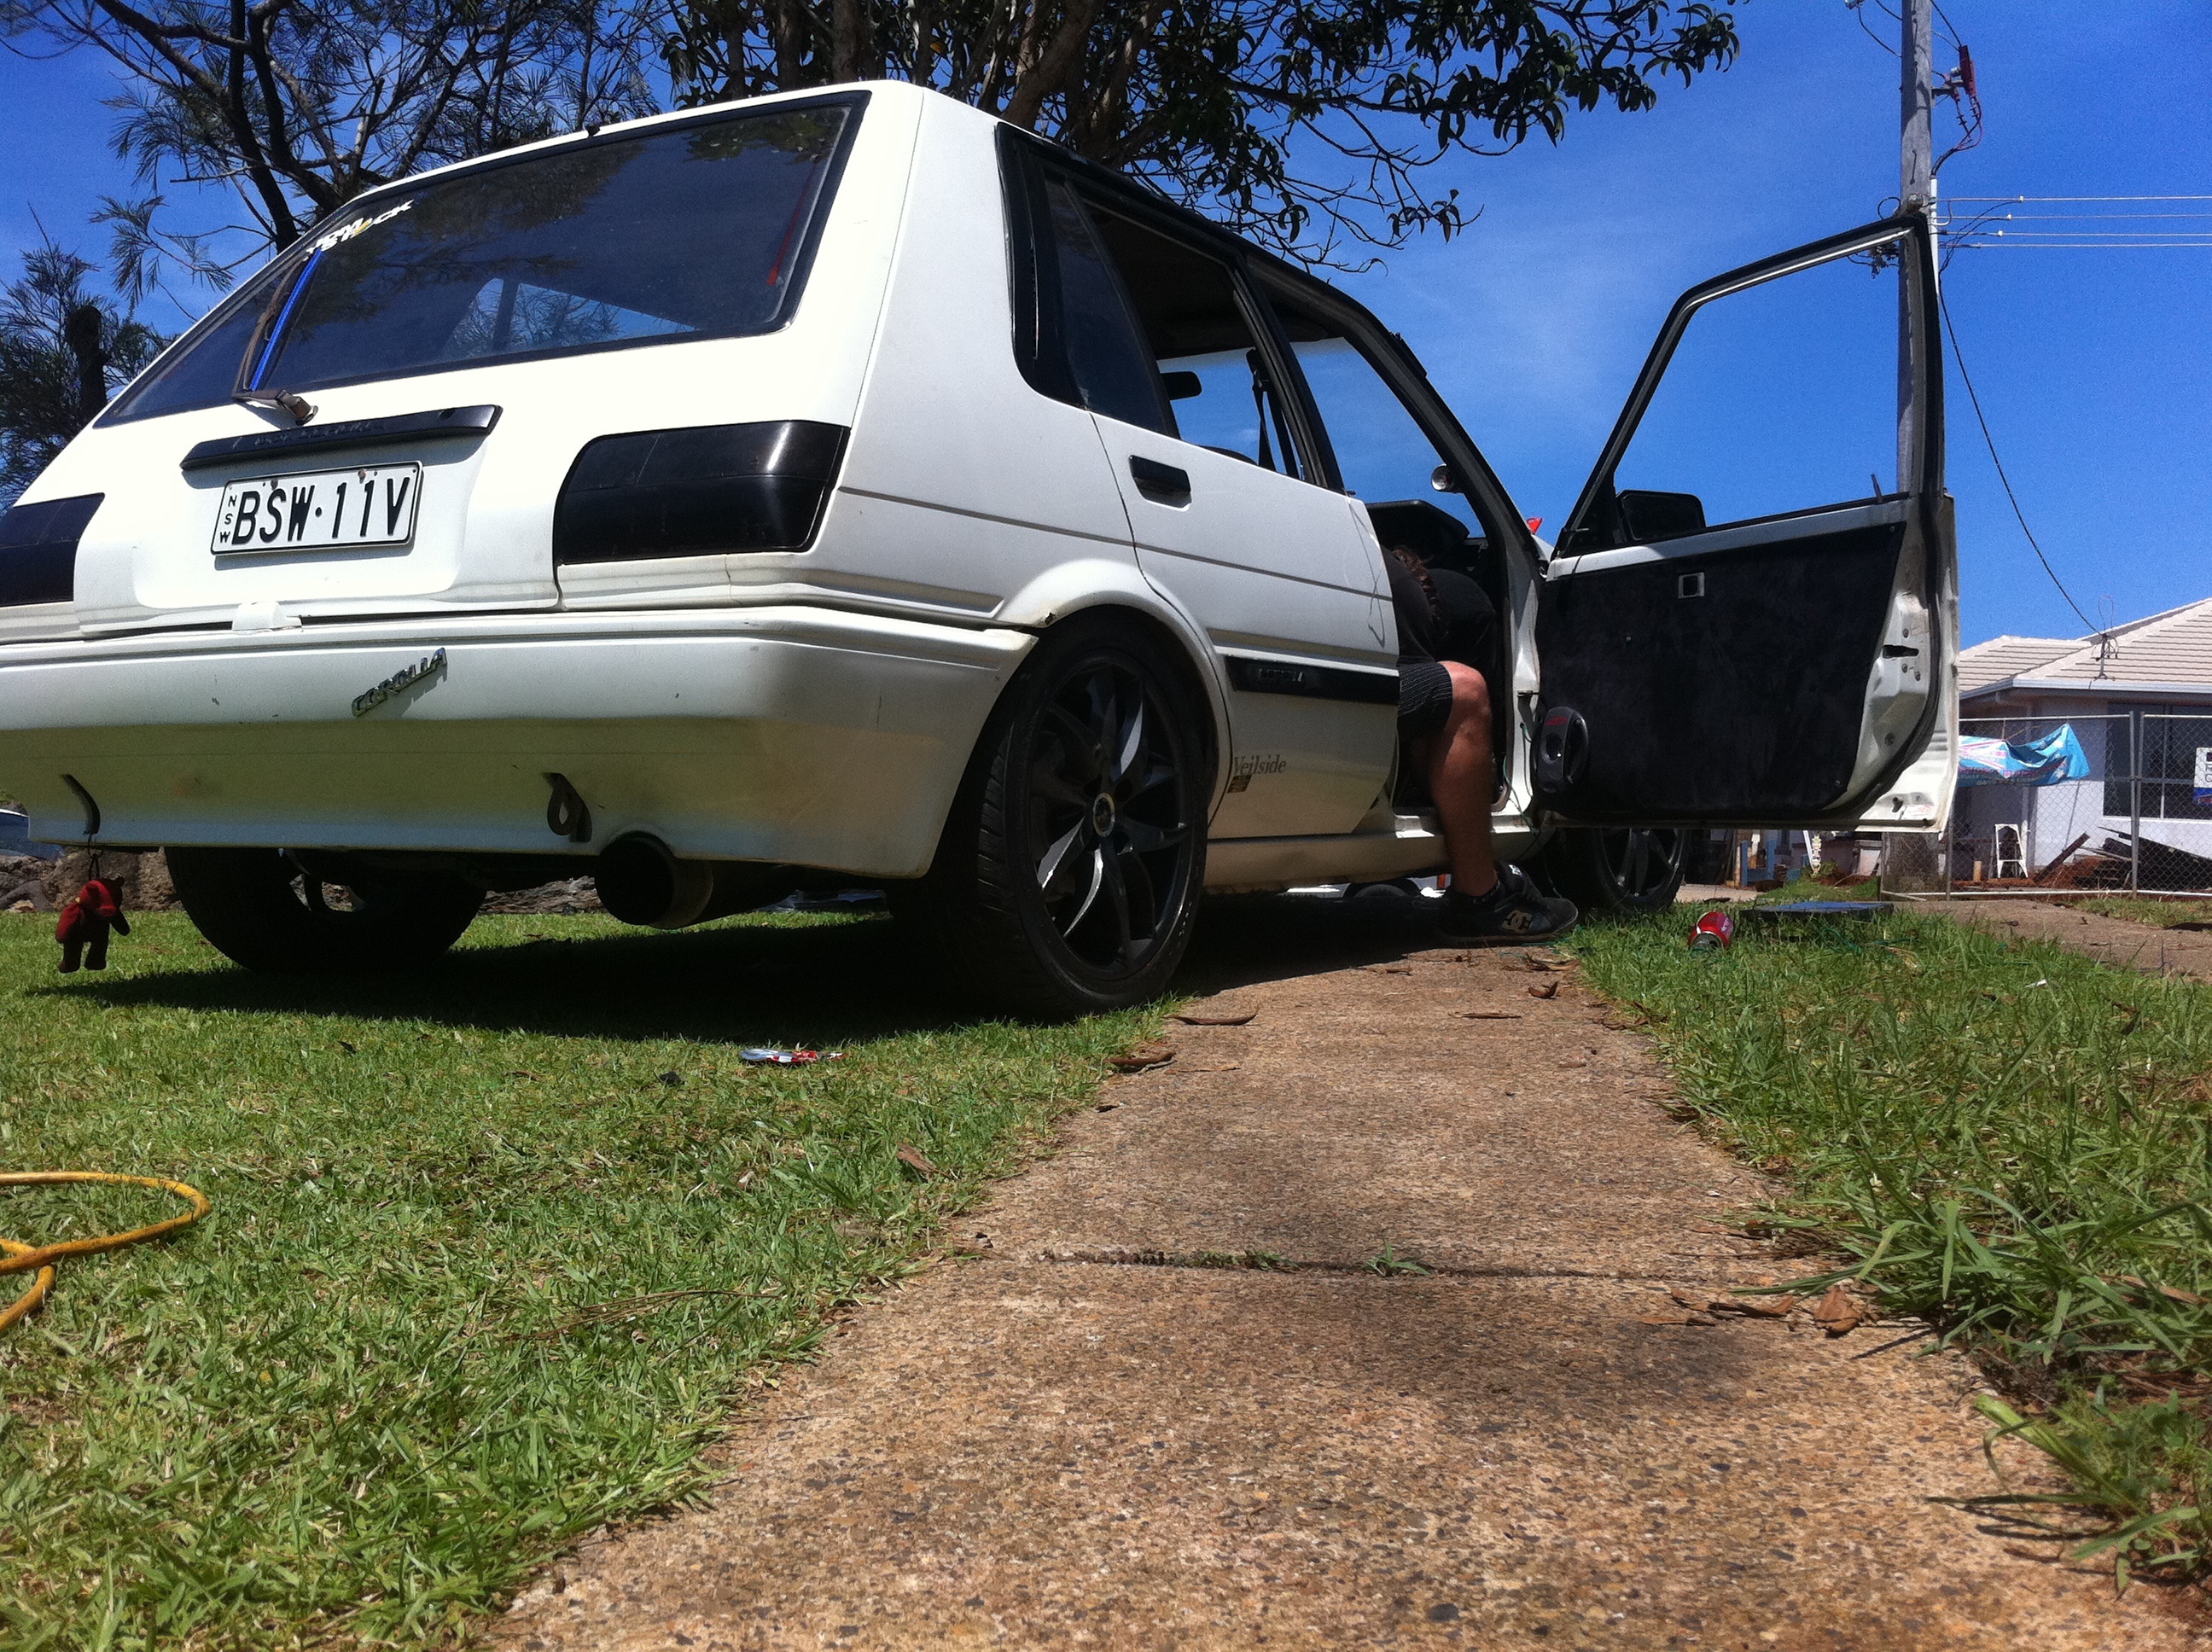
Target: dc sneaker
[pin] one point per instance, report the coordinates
(1511, 911)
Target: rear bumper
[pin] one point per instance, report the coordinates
(795, 734)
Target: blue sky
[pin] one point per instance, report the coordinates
(2095, 365)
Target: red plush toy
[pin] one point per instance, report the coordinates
(86, 919)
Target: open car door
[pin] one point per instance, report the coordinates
(1742, 626)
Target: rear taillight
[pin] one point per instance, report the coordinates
(689, 493)
(38, 550)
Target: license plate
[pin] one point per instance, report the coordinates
(320, 510)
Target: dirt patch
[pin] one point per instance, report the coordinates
(568, 895)
(141, 880)
(2114, 941)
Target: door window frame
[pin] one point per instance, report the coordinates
(1402, 374)
(1918, 282)
(1027, 165)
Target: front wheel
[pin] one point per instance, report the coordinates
(266, 910)
(1069, 872)
(1625, 869)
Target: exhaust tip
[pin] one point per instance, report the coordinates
(641, 882)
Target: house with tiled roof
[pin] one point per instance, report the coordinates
(2139, 698)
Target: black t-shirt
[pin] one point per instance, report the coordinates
(1460, 631)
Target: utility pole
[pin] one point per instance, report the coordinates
(1916, 191)
(1914, 861)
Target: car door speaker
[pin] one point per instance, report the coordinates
(1561, 750)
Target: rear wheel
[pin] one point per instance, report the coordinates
(1069, 871)
(267, 910)
(1623, 869)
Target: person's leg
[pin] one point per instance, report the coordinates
(1487, 902)
(1460, 780)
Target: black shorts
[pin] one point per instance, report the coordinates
(1425, 698)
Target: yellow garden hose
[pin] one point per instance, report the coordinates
(20, 1258)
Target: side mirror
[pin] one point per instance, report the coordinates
(1646, 516)
(1181, 387)
(1444, 481)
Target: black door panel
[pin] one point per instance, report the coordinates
(1730, 636)
(1720, 685)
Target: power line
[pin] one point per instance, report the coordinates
(2078, 197)
(1959, 355)
(2024, 245)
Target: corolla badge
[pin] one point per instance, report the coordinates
(399, 681)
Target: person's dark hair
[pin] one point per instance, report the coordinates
(1420, 569)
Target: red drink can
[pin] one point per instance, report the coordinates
(1716, 928)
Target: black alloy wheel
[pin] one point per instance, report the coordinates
(1617, 869)
(1107, 834)
(1068, 875)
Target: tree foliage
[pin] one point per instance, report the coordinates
(302, 103)
(55, 334)
(1297, 121)
(1307, 123)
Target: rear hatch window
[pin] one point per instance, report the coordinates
(698, 230)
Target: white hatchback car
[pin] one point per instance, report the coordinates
(849, 485)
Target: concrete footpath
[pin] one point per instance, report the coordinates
(1080, 1435)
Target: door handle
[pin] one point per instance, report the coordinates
(1164, 483)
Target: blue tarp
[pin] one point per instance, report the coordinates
(2056, 756)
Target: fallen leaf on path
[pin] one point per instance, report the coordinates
(1838, 1313)
(1549, 989)
(1492, 1015)
(2171, 1292)
(1535, 966)
(914, 1159)
(1768, 1308)
(1104, 1106)
(1216, 1020)
(1143, 1059)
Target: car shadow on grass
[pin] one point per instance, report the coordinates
(820, 984)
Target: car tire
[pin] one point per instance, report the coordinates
(1068, 875)
(261, 909)
(1618, 869)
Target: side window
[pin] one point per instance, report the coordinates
(1111, 363)
(1199, 351)
(1382, 452)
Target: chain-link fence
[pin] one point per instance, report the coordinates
(2140, 818)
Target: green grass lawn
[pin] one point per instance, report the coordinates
(494, 1247)
(2001, 1137)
